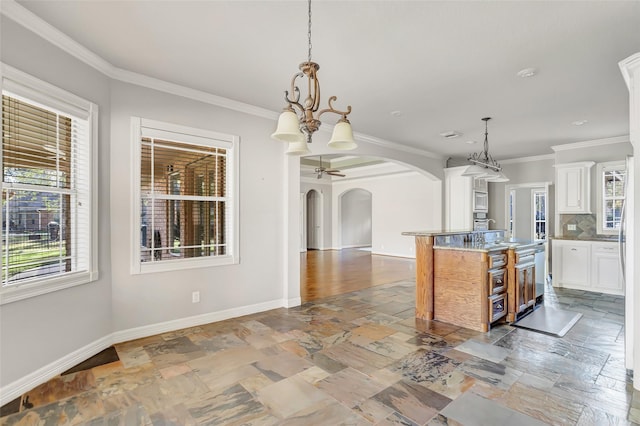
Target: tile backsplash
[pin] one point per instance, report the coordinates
(585, 225)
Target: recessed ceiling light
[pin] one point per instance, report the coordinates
(396, 113)
(527, 72)
(580, 122)
(472, 142)
(450, 134)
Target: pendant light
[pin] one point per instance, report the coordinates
(483, 165)
(298, 121)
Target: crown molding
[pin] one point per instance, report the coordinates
(396, 146)
(626, 65)
(589, 144)
(529, 159)
(21, 15)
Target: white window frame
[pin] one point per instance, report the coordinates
(141, 127)
(601, 169)
(534, 192)
(21, 84)
(511, 212)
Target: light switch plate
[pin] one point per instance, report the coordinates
(571, 227)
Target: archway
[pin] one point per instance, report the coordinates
(314, 220)
(355, 218)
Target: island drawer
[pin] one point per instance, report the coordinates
(497, 306)
(497, 281)
(496, 260)
(525, 255)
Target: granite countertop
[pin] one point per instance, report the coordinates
(518, 244)
(439, 233)
(611, 238)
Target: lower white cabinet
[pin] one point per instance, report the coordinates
(587, 265)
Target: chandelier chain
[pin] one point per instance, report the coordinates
(309, 33)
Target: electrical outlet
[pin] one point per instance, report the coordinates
(195, 297)
(571, 227)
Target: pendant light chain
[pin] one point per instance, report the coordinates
(309, 33)
(486, 140)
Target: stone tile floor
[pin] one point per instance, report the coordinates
(356, 359)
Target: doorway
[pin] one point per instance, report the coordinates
(314, 220)
(527, 218)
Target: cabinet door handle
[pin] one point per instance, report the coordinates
(573, 249)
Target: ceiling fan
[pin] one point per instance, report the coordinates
(322, 170)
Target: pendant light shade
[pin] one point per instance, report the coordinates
(288, 129)
(500, 178)
(298, 148)
(342, 137)
(490, 175)
(474, 170)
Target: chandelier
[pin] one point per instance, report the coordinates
(298, 121)
(484, 166)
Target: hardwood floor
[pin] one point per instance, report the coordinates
(327, 273)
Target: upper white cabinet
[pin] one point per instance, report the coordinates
(573, 187)
(458, 191)
(480, 184)
(464, 195)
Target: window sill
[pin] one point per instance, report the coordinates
(182, 264)
(16, 292)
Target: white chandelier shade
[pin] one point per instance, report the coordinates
(288, 129)
(298, 148)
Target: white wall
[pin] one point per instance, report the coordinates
(355, 213)
(403, 202)
(40, 330)
(257, 282)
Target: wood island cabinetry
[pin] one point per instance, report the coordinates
(473, 285)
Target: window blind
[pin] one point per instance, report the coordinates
(45, 191)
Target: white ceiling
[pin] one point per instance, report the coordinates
(445, 65)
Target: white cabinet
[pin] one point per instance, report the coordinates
(605, 268)
(575, 263)
(587, 265)
(458, 191)
(480, 184)
(573, 187)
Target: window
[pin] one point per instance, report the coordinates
(611, 194)
(539, 214)
(186, 204)
(512, 213)
(48, 178)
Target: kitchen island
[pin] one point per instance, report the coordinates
(473, 278)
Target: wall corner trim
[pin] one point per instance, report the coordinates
(41, 375)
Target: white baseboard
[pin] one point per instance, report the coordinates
(167, 326)
(408, 256)
(13, 390)
(290, 303)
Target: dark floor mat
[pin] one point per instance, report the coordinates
(105, 357)
(10, 407)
